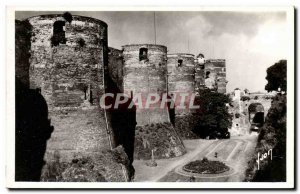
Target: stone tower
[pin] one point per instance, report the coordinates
(145, 72)
(181, 77)
(68, 56)
(181, 81)
(215, 74)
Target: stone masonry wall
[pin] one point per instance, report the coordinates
(68, 68)
(148, 74)
(123, 118)
(181, 77)
(115, 67)
(217, 68)
(240, 111)
(199, 77)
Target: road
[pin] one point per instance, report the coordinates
(233, 152)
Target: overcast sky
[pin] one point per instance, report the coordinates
(250, 42)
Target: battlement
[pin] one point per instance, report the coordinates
(70, 30)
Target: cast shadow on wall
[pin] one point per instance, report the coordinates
(33, 129)
(123, 122)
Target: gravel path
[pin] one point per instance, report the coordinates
(234, 152)
(236, 158)
(153, 174)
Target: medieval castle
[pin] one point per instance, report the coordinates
(66, 59)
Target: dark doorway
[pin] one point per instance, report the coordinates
(258, 118)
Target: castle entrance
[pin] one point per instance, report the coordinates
(256, 116)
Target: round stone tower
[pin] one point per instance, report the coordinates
(181, 84)
(181, 77)
(68, 56)
(145, 74)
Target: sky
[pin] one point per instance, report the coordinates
(250, 42)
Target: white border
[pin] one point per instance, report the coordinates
(10, 96)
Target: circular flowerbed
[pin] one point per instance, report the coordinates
(206, 166)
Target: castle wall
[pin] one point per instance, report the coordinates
(67, 72)
(181, 80)
(217, 69)
(145, 77)
(115, 67)
(123, 118)
(240, 110)
(199, 77)
(181, 76)
(264, 100)
(145, 72)
(68, 68)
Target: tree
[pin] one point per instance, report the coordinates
(213, 116)
(276, 76)
(272, 136)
